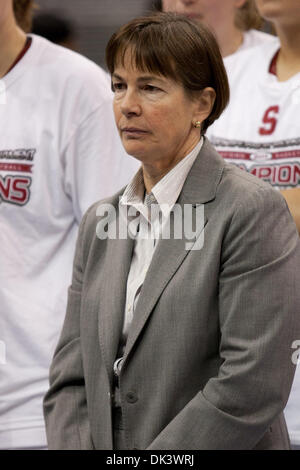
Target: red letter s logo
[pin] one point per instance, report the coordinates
(270, 119)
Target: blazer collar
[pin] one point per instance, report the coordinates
(204, 177)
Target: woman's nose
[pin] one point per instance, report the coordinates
(130, 103)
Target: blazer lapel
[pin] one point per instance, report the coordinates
(112, 293)
(200, 187)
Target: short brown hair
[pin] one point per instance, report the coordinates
(247, 16)
(173, 46)
(23, 13)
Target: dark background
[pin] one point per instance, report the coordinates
(95, 20)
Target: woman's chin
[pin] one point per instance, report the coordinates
(136, 152)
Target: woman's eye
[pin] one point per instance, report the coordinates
(151, 88)
(118, 86)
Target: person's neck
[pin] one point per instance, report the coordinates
(288, 62)
(12, 41)
(153, 172)
(229, 39)
(152, 176)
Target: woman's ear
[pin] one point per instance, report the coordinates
(206, 99)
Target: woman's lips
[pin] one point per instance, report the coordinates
(133, 131)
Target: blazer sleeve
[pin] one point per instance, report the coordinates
(65, 406)
(259, 304)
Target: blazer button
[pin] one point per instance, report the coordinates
(131, 397)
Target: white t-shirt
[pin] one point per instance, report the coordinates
(59, 152)
(253, 38)
(260, 132)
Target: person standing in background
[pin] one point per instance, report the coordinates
(260, 129)
(234, 22)
(59, 152)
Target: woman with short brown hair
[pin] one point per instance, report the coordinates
(175, 339)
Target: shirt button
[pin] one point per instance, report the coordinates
(131, 397)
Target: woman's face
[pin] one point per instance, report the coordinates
(212, 12)
(154, 115)
(280, 11)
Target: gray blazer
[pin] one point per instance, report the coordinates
(208, 358)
